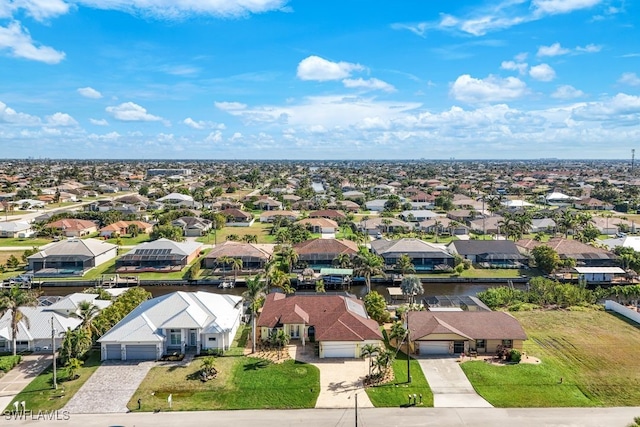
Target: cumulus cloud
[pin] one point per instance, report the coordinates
(520, 67)
(230, 106)
(201, 124)
(590, 48)
(567, 92)
(42, 10)
(542, 72)
(319, 69)
(553, 7)
(368, 84)
(491, 89)
(630, 79)
(11, 116)
(61, 119)
(89, 92)
(18, 42)
(131, 112)
(99, 122)
(554, 50)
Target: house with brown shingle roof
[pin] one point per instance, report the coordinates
(328, 213)
(71, 227)
(253, 256)
(339, 324)
(584, 254)
(319, 225)
(455, 332)
(320, 253)
(237, 218)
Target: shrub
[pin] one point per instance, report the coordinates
(515, 356)
(7, 363)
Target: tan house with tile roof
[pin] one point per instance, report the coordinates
(584, 254)
(122, 227)
(320, 253)
(455, 332)
(339, 324)
(253, 256)
(319, 225)
(71, 227)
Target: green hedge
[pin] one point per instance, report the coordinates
(7, 363)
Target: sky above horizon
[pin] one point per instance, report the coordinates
(294, 79)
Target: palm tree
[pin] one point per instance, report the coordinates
(386, 222)
(86, 312)
(384, 359)
(236, 265)
(369, 350)
(280, 279)
(288, 256)
(343, 260)
(367, 265)
(399, 332)
(411, 286)
(12, 300)
(405, 265)
(73, 365)
(254, 296)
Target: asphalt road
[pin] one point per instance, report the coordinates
(380, 417)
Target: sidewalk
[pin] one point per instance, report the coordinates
(14, 381)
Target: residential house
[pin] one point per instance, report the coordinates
(268, 204)
(71, 257)
(16, 229)
(253, 256)
(179, 200)
(345, 205)
(270, 216)
(589, 203)
(339, 324)
(488, 225)
(376, 225)
(328, 213)
(464, 332)
(121, 228)
(318, 253)
(444, 226)
(585, 255)
(425, 256)
(489, 253)
(192, 226)
(237, 218)
(320, 225)
(71, 227)
(418, 215)
(161, 256)
(181, 322)
(546, 225)
(624, 241)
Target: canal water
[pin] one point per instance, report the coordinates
(430, 289)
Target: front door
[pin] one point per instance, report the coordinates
(458, 347)
(193, 337)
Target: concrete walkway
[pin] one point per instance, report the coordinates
(110, 388)
(450, 386)
(340, 379)
(14, 381)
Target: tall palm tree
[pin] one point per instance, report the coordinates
(86, 313)
(411, 286)
(12, 300)
(236, 266)
(280, 279)
(405, 265)
(369, 350)
(288, 256)
(343, 260)
(254, 296)
(367, 265)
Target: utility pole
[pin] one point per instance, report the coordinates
(356, 409)
(53, 350)
(409, 345)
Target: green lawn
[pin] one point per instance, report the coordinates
(242, 383)
(39, 395)
(593, 352)
(395, 394)
(27, 243)
(127, 240)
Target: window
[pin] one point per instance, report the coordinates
(480, 344)
(175, 337)
(212, 339)
(507, 343)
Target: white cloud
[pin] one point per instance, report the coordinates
(491, 89)
(42, 10)
(99, 122)
(521, 67)
(131, 112)
(553, 7)
(201, 124)
(590, 48)
(230, 106)
(185, 8)
(320, 69)
(368, 84)
(18, 41)
(61, 119)
(89, 92)
(553, 50)
(622, 109)
(542, 72)
(630, 79)
(567, 92)
(215, 136)
(9, 115)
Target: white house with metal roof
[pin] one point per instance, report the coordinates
(71, 257)
(178, 322)
(16, 229)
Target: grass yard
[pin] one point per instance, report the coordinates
(395, 394)
(127, 240)
(24, 243)
(40, 395)
(592, 351)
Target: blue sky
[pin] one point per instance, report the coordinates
(301, 79)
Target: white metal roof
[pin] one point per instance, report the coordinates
(610, 270)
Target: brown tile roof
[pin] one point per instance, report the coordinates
(326, 246)
(490, 325)
(334, 317)
(72, 224)
(563, 246)
(238, 250)
(327, 213)
(319, 222)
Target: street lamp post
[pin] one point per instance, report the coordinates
(53, 351)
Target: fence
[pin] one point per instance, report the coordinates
(621, 309)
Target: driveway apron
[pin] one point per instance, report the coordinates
(110, 388)
(450, 386)
(19, 377)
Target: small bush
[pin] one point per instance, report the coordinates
(7, 363)
(515, 356)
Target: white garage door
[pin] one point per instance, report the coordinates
(141, 352)
(113, 352)
(339, 349)
(433, 347)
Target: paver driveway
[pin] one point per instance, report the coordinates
(19, 377)
(110, 388)
(449, 384)
(340, 380)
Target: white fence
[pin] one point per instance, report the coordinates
(621, 309)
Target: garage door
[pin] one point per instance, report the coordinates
(113, 352)
(433, 347)
(141, 352)
(339, 349)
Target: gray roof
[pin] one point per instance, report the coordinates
(212, 313)
(38, 325)
(14, 226)
(164, 245)
(89, 248)
(410, 246)
(482, 247)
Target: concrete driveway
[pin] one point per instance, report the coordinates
(19, 377)
(450, 386)
(110, 388)
(340, 379)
